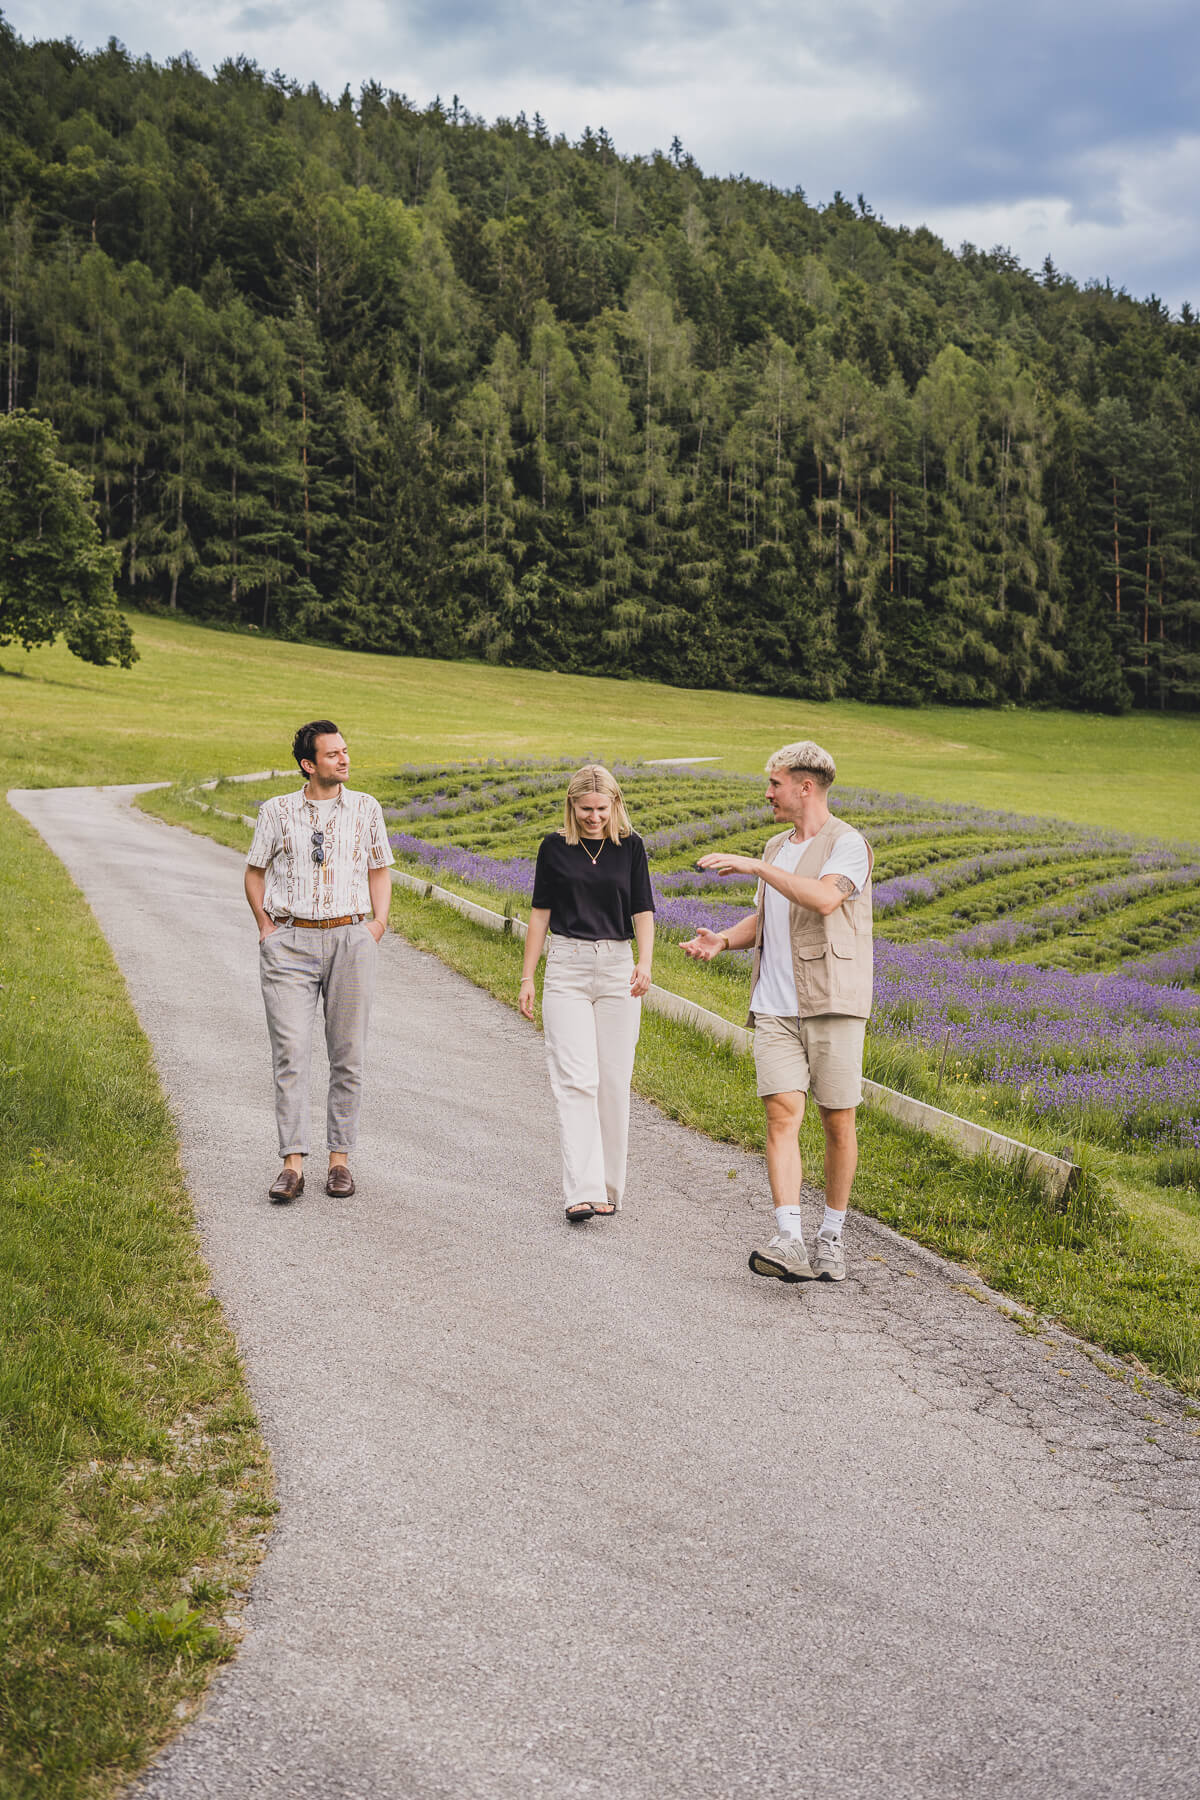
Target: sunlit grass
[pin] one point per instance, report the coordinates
(1088, 1262)
(223, 703)
(134, 1475)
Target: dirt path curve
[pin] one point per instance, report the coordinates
(596, 1513)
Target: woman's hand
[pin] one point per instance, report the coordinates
(705, 945)
(526, 999)
(723, 864)
(639, 981)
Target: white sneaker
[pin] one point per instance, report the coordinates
(784, 1257)
(829, 1263)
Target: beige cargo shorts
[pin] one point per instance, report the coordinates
(822, 1056)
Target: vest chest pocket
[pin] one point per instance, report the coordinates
(812, 951)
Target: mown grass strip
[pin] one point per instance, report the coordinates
(1089, 1264)
(1120, 1273)
(136, 1488)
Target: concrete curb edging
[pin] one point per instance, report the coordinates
(1057, 1175)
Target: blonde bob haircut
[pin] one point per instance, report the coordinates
(594, 778)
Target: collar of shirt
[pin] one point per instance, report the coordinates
(339, 799)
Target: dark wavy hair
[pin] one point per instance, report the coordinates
(304, 744)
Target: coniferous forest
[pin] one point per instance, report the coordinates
(383, 374)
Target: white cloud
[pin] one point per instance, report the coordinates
(1149, 224)
(1056, 126)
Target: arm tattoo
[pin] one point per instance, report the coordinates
(844, 885)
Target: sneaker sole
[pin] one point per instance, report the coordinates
(830, 1274)
(764, 1265)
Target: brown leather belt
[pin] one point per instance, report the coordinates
(324, 924)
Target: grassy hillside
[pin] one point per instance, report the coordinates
(201, 701)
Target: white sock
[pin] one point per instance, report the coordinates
(831, 1224)
(789, 1221)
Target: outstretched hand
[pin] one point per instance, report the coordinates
(705, 945)
(720, 862)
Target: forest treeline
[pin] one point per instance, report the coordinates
(384, 374)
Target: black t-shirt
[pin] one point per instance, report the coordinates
(592, 900)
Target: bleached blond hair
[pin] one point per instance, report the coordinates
(594, 778)
(805, 758)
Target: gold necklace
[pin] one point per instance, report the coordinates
(593, 859)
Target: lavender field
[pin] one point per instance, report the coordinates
(1029, 972)
(1053, 971)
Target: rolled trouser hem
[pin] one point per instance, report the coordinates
(295, 1150)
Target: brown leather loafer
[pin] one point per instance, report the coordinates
(288, 1185)
(339, 1182)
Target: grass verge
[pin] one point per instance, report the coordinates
(1116, 1265)
(136, 1488)
(1115, 1280)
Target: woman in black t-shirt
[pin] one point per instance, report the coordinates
(591, 889)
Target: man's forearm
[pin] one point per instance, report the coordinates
(742, 935)
(819, 896)
(379, 886)
(255, 884)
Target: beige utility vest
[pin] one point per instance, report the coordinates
(831, 956)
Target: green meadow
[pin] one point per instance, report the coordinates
(139, 1490)
(202, 702)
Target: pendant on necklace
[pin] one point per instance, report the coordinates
(592, 859)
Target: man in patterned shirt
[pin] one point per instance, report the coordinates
(317, 868)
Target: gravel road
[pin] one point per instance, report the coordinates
(596, 1513)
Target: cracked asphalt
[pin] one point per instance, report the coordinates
(595, 1512)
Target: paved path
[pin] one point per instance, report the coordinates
(596, 1513)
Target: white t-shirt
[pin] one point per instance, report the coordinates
(775, 989)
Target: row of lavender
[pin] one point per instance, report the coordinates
(1115, 1053)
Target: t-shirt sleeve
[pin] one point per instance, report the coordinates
(543, 878)
(641, 893)
(851, 858)
(265, 842)
(379, 852)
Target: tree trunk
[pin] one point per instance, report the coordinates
(304, 464)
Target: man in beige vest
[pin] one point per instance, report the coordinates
(810, 996)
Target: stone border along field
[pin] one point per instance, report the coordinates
(1056, 1173)
(1075, 1031)
(1116, 1260)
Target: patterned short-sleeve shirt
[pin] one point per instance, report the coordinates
(355, 840)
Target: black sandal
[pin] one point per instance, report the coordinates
(580, 1213)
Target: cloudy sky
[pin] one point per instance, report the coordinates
(1048, 126)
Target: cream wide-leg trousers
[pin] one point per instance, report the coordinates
(591, 1024)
